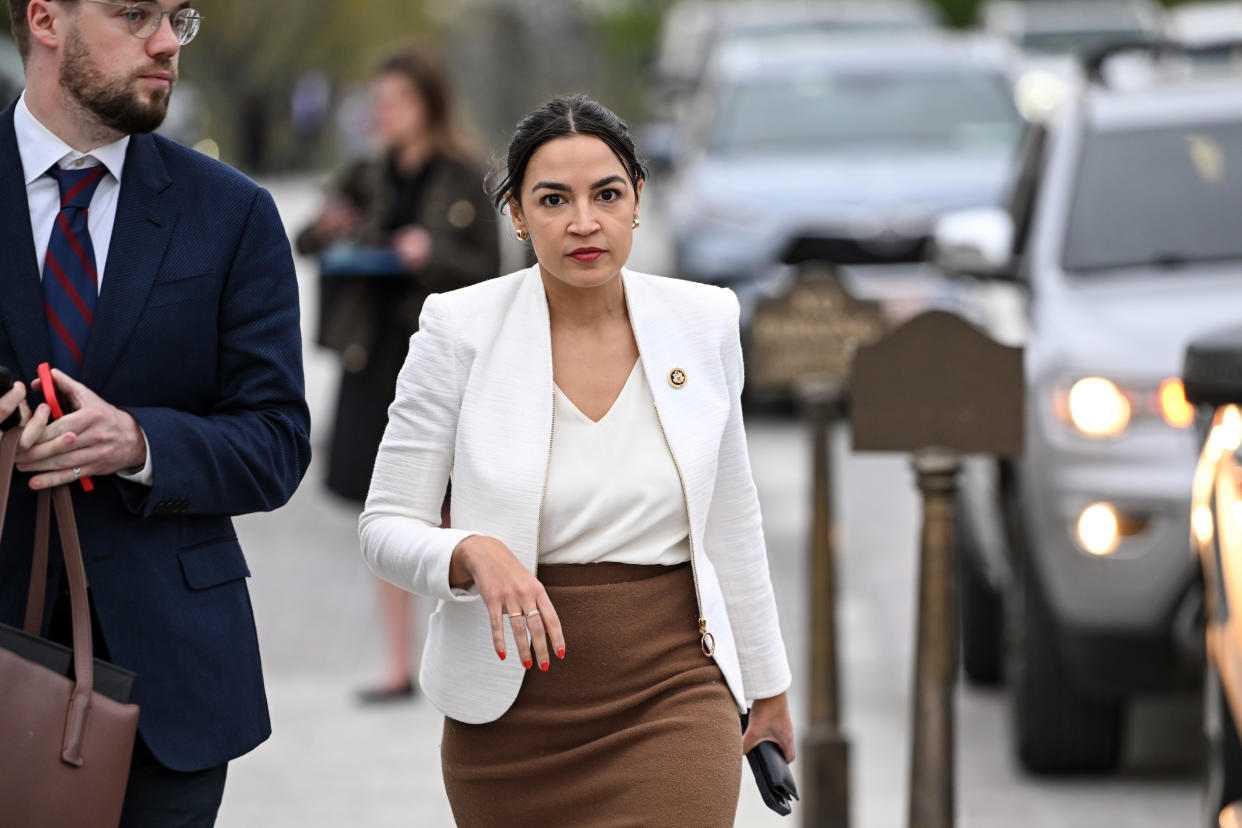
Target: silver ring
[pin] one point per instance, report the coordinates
(532, 613)
(77, 472)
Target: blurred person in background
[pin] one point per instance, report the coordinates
(159, 285)
(422, 197)
(603, 513)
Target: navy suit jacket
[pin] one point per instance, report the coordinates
(196, 334)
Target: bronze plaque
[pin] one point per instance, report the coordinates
(809, 335)
(938, 382)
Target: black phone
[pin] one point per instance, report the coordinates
(6, 383)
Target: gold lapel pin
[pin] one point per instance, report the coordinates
(677, 378)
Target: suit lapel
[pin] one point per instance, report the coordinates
(692, 415)
(144, 225)
(21, 291)
(664, 346)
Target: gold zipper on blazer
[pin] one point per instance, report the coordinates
(707, 641)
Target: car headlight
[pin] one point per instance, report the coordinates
(1099, 530)
(1097, 407)
(1176, 411)
(1230, 434)
(1038, 93)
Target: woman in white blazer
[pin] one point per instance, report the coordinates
(605, 523)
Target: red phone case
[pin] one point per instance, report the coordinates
(49, 394)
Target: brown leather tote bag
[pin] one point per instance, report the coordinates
(64, 749)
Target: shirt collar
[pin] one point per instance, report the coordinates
(40, 148)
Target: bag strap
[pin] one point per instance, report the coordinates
(8, 455)
(83, 651)
(38, 570)
(83, 654)
(38, 566)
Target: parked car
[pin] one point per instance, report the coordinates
(12, 73)
(843, 149)
(1214, 27)
(1072, 26)
(1203, 24)
(694, 30)
(1123, 228)
(1212, 374)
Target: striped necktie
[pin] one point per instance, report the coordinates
(70, 280)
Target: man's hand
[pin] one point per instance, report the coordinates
(14, 400)
(97, 438)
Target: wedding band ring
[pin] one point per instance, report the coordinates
(532, 613)
(515, 614)
(77, 472)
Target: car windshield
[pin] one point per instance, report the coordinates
(1064, 42)
(1159, 198)
(815, 113)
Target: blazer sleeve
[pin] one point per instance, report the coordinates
(399, 528)
(735, 544)
(249, 451)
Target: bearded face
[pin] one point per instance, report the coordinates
(120, 103)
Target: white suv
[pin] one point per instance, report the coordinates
(1124, 231)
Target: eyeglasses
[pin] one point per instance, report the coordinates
(145, 18)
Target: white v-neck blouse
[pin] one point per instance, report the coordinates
(613, 491)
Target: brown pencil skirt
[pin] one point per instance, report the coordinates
(636, 727)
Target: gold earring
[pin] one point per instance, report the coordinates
(522, 235)
(636, 223)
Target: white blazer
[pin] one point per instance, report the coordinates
(474, 403)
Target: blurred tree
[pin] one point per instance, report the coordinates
(962, 12)
(628, 33)
(249, 56)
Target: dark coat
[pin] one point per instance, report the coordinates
(465, 249)
(369, 319)
(196, 334)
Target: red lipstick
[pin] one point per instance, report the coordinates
(586, 255)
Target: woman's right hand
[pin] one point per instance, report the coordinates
(510, 593)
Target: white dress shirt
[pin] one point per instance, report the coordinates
(40, 149)
(613, 490)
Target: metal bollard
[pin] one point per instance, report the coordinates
(932, 756)
(910, 393)
(825, 750)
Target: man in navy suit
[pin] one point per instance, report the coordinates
(160, 285)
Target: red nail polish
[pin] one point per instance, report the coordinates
(560, 653)
(526, 663)
(543, 665)
(501, 654)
